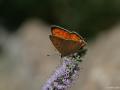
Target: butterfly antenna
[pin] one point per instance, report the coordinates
(52, 54)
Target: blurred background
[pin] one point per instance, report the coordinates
(28, 58)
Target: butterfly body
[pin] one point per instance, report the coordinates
(66, 42)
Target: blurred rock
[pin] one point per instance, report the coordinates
(26, 65)
(30, 58)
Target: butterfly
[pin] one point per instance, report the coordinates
(66, 42)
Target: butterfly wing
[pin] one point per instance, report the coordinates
(65, 47)
(66, 42)
(77, 37)
(60, 32)
(63, 33)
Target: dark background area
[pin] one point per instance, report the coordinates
(87, 17)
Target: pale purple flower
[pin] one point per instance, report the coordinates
(66, 74)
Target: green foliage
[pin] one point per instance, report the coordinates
(88, 17)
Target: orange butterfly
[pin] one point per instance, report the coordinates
(66, 42)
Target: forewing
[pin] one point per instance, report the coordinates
(60, 32)
(75, 37)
